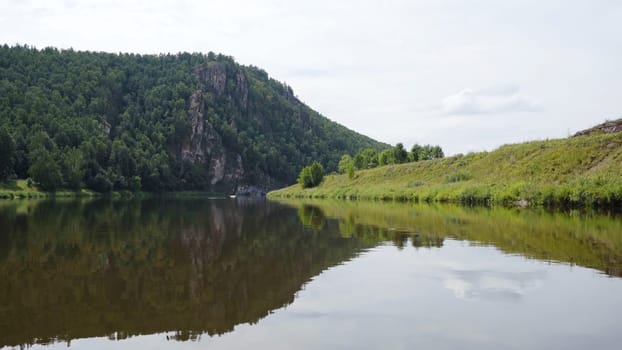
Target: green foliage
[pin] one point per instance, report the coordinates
(317, 172)
(457, 177)
(345, 162)
(125, 119)
(74, 168)
(311, 176)
(399, 154)
(386, 157)
(305, 179)
(427, 152)
(7, 154)
(350, 171)
(366, 159)
(44, 170)
(346, 166)
(572, 172)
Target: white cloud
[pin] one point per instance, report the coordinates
(501, 99)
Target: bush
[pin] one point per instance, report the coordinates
(311, 176)
(457, 177)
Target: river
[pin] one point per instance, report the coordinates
(233, 274)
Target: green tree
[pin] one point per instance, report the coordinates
(74, 168)
(7, 154)
(400, 155)
(426, 152)
(366, 159)
(317, 173)
(350, 171)
(101, 182)
(415, 153)
(45, 171)
(305, 179)
(344, 163)
(437, 152)
(44, 166)
(312, 175)
(386, 157)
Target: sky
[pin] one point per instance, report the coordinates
(469, 75)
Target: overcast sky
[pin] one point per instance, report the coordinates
(468, 75)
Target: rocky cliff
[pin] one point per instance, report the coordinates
(204, 145)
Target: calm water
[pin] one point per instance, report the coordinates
(225, 274)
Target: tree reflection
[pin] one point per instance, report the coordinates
(122, 268)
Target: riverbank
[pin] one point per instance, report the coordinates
(572, 172)
(20, 189)
(16, 189)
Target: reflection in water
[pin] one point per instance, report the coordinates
(492, 285)
(73, 270)
(576, 238)
(116, 269)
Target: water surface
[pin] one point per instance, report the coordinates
(226, 274)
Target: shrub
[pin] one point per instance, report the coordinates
(311, 176)
(457, 177)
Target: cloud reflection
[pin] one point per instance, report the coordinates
(492, 285)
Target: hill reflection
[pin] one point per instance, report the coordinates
(123, 268)
(587, 239)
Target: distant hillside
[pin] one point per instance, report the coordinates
(168, 122)
(577, 171)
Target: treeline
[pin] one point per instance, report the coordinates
(119, 121)
(369, 158)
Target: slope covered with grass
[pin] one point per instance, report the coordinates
(578, 171)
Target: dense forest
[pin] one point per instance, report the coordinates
(182, 121)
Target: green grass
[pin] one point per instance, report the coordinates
(16, 189)
(581, 171)
(20, 189)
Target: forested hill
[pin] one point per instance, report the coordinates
(186, 121)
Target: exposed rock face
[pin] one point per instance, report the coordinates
(608, 127)
(242, 87)
(212, 76)
(205, 146)
(192, 150)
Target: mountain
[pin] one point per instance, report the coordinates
(105, 121)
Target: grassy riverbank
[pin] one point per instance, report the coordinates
(578, 171)
(19, 189)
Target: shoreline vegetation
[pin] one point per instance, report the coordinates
(579, 171)
(20, 189)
